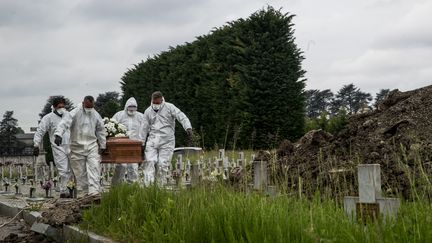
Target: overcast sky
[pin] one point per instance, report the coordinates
(75, 48)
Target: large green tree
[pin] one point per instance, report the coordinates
(9, 144)
(351, 99)
(242, 85)
(108, 103)
(318, 102)
(380, 96)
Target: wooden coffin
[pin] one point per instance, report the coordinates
(122, 150)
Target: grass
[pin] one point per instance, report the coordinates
(129, 213)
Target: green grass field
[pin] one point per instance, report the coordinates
(129, 213)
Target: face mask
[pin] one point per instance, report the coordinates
(61, 111)
(131, 113)
(156, 107)
(88, 110)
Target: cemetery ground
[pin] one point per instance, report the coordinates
(294, 193)
(231, 208)
(218, 213)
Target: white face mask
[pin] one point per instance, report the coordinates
(61, 111)
(131, 113)
(156, 107)
(88, 110)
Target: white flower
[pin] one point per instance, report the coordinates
(114, 128)
(122, 127)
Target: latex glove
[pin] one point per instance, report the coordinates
(143, 152)
(58, 140)
(103, 151)
(190, 137)
(36, 151)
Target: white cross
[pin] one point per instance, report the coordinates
(369, 180)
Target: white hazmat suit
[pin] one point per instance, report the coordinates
(133, 123)
(60, 153)
(160, 128)
(87, 134)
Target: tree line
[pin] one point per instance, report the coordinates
(330, 111)
(241, 85)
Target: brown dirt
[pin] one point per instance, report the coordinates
(397, 135)
(58, 212)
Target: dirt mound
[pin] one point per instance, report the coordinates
(397, 135)
(58, 212)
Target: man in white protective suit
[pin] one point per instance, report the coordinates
(133, 121)
(159, 126)
(60, 152)
(88, 141)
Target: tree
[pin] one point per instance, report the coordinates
(241, 86)
(46, 110)
(8, 130)
(108, 103)
(351, 98)
(380, 96)
(318, 102)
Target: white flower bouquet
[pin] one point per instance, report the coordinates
(114, 128)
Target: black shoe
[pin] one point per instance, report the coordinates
(65, 195)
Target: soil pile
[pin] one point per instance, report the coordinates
(58, 212)
(397, 135)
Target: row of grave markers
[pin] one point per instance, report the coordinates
(368, 205)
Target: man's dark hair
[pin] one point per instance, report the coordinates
(58, 100)
(89, 98)
(157, 95)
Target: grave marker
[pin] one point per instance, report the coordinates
(259, 175)
(370, 203)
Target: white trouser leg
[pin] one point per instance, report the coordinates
(119, 174)
(151, 154)
(78, 166)
(93, 167)
(62, 164)
(163, 165)
(132, 172)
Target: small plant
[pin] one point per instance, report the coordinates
(6, 184)
(71, 188)
(34, 207)
(47, 185)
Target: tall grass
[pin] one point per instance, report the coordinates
(129, 213)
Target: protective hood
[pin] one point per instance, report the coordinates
(130, 102)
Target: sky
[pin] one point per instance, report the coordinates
(83, 47)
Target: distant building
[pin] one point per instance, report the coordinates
(25, 138)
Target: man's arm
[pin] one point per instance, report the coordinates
(100, 132)
(145, 126)
(64, 124)
(116, 116)
(41, 130)
(182, 118)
